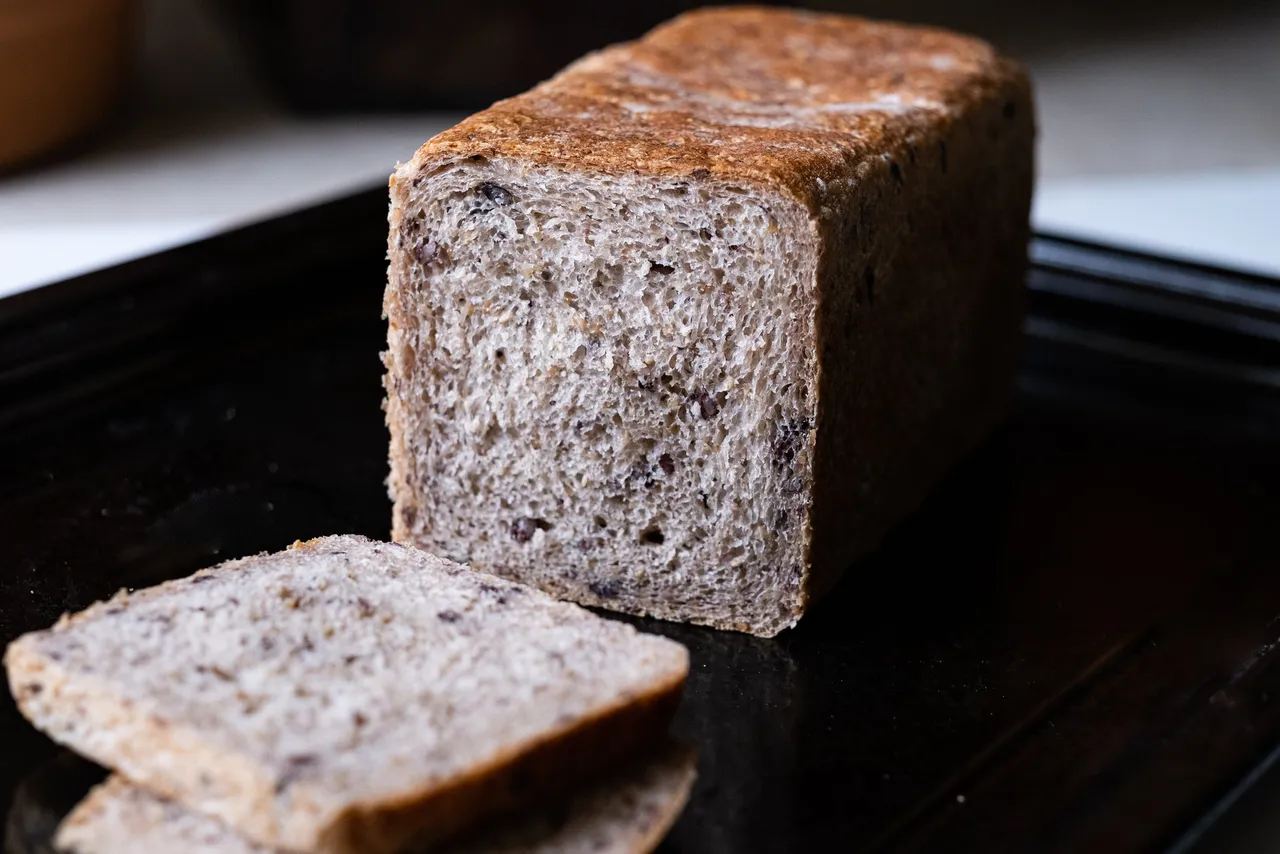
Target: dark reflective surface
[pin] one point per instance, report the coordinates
(1068, 649)
(42, 800)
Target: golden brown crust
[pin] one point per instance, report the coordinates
(819, 93)
(920, 314)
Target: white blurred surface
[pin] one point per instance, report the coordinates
(1229, 219)
(109, 208)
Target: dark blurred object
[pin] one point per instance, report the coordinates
(62, 69)
(44, 798)
(454, 54)
(411, 54)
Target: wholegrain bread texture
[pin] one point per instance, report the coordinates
(687, 329)
(347, 695)
(627, 812)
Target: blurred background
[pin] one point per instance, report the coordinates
(130, 125)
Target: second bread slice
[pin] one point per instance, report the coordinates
(628, 811)
(346, 695)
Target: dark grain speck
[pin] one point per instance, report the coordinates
(605, 588)
(790, 436)
(523, 529)
(708, 408)
(295, 767)
(498, 195)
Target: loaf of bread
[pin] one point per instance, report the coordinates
(686, 329)
(347, 695)
(627, 812)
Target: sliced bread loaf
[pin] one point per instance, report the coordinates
(347, 695)
(686, 329)
(627, 812)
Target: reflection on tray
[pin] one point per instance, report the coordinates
(43, 798)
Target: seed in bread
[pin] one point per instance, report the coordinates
(346, 695)
(686, 329)
(628, 811)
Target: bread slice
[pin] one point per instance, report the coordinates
(347, 695)
(686, 329)
(627, 812)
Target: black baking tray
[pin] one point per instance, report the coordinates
(1069, 648)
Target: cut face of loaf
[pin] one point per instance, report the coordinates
(347, 695)
(688, 328)
(627, 812)
(616, 388)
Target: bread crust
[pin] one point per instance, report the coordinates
(514, 780)
(682, 99)
(910, 148)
